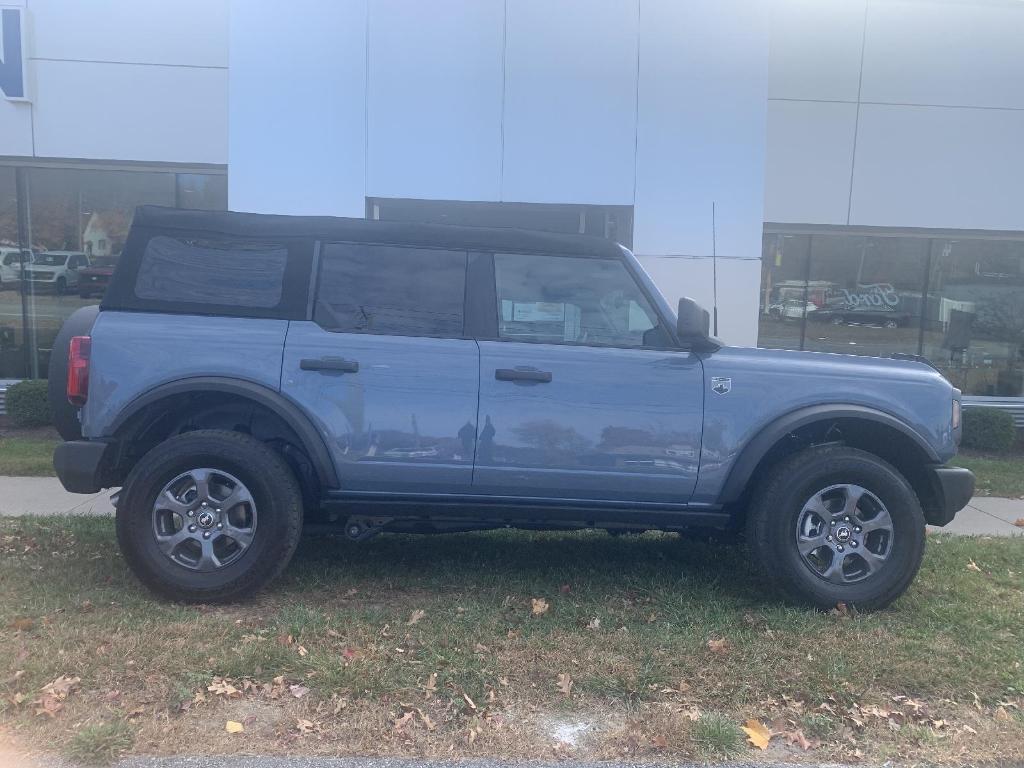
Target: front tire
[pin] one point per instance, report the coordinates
(209, 516)
(834, 524)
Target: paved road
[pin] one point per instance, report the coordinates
(985, 516)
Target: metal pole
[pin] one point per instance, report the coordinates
(26, 287)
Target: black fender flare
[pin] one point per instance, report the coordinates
(758, 446)
(290, 413)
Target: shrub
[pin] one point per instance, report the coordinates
(988, 429)
(28, 404)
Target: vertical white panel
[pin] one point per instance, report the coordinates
(945, 53)
(570, 101)
(939, 167)
(739, 281)
(701, 126)
(809, 161)
(193, 32)
(297, 128)
(434, 99)
(15, 127)
(815, 49)
(130, 112)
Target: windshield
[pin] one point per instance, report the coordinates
(51, 259)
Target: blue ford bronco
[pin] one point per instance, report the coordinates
(250, 376)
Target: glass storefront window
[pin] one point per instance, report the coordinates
(74, 222)
(959, 302)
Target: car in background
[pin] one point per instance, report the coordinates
(10, 265)
(57, 270)
(94, 279)
(882, 318)
(791, 309)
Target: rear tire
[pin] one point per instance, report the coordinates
(146, 528)
(863, 548)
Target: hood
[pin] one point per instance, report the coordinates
(833, 363)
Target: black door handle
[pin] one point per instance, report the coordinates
(333, 364)
(522, 374)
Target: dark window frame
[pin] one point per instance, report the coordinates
(317, 285)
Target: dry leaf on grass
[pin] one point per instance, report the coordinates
(416, 616)
(594, 623)
(221, 687)
(973, 566)
(402, 722)
(301, 650)
(304, 726)
(719, 646)
(798, 739)
(233, 726)
(538, 606)
(52, 695)
(431, 687)
(564, 684)
(298, 691)
(1002, 715)
(757, 734)
(22, 625)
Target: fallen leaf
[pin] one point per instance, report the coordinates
(302, 650)
(233, 726)
(431, 687)
(798, 738)
(349, 653)
(757, 734)
(285, 639)
(22, 625)
(298, 691)
(469, 701)
(304, 726)
(48, 705)
(973, 566)
(539, 606)
(1001, 714)
(481, 648)
(564, 684)
(62, 686)
(659, 741)
(416, 616)
(594, 623)
(221, 687)
(431, 725)
(404, 720)
(719, 646)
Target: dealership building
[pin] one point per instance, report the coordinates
(832, 175)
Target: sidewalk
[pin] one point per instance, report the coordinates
(985, 516)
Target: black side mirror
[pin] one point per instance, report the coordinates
(693, 327)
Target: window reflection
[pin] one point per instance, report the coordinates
(77, 221)
(959, 302)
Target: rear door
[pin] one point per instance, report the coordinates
(582, 393)
(386, 370)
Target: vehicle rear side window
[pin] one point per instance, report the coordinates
(214, 271)
(391, 290)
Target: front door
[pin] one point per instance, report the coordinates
(385, 370)
(582, 395)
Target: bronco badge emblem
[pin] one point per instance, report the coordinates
(721, 384)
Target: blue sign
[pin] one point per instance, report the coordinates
(12, 54)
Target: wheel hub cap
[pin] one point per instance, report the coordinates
(204, 519)
(844, 534)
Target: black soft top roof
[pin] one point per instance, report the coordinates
(490, 239)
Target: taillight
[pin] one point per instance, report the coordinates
(78, 370)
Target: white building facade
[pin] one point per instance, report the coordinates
(836, 175)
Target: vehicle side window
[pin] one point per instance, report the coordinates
(215, 271)
(561, 299)
(391, 290)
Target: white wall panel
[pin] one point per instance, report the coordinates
(15, 127)
(945, 53)
(738, 284)
(434, 99)
(191, 32)
(570, 101)
(815, 49)
(130, 112)
(297, 131)
(809, 161)
(701, 126)
(938, 167)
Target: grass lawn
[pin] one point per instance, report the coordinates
(509, 644)
(997, 475)
(27, 452)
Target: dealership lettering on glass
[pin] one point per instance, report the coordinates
(12, 54)
(877, 295)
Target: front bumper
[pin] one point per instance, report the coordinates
(82, 465)
(954, 487)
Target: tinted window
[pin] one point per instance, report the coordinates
(391, 290)
(557, 299)
(217, 271)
